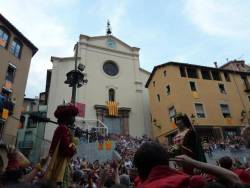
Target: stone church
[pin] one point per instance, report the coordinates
(114, 76)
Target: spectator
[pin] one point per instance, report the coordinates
(246, 136)
(227, 163)
(151, 160)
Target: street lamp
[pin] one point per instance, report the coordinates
(75, 78)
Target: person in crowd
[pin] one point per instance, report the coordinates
(246, 136)
(227, 163)
(187, 139)
(62, 147)
(76, 179)
(151, 161)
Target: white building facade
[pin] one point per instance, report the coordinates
(113, 71)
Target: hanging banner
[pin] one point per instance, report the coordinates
(99, 145)
(81, 109)
(108, 145)
(2, 42)
(5, 114)
(112, 108)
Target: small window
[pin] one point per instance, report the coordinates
(192, 86)
(32, 123)
(205, 74)
(216, 75)
(227, 77)
(28, 136)
(199, 110)
(171, 113)
(165, 73)
(248, 98)
(192, 72)
(246, 82)
(111, 94)
(10, 74)
(4, 37)
(168, 90)
(225, 110)
(158, 97)
(21, 121)
(16, 48)
(183, 72)
(154, 83)
(222, 88)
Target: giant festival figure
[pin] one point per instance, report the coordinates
(63, 146)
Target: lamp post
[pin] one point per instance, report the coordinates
(75, 78)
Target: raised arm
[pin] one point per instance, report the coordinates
(227, 176)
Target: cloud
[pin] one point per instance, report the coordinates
(224, 18)
(38, 22)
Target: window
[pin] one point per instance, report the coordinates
(216, 75)
(183, 72)
(16, 48)
(154, 83)
(205, 74)
(110, 68)
(158, 97)
(10, 74)
(111, 94)
(222, 88)
(227, 77)
(225, 110)
(165, 73)
(248, 98)
(28, 136)
(192, 86)
(168, 90)
(246, 82)
(4, 37)
(32, 123)
(192, 72)
(171, 113)
(199, 110)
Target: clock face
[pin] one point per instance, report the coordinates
(110, 43)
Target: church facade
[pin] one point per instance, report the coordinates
(114, 77)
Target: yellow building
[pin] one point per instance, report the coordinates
(216, 100)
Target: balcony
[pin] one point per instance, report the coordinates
(25, 144)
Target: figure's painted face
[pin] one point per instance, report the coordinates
(179, 123)
(71, 120)
(68, 121)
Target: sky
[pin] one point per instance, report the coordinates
(191, 31)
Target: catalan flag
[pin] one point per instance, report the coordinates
(112, 108)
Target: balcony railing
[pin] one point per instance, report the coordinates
(25, 144)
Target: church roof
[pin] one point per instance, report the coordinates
(108, 36)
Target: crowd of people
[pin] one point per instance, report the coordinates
(231, 143)
(137, 162)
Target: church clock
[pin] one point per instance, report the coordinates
(110, 43)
